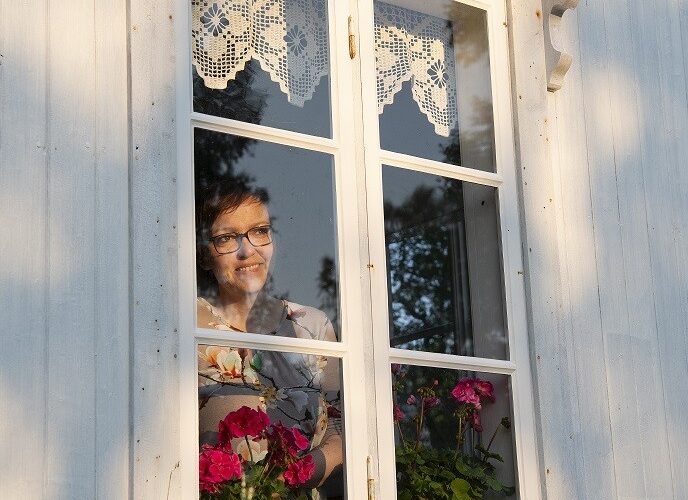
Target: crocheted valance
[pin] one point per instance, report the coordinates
(289, 39)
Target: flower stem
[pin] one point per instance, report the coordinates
(401, 435)
(494, 434)
(419, 428)
(459, 435)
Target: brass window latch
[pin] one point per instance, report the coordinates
(371, 480)
(352, 39)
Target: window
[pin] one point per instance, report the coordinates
(349, 249)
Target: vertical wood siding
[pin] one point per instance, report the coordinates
(155, 387)
(88, 269)
(618, 154)
(64, 417)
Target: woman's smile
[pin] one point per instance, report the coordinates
(244, 271)
(248, 268)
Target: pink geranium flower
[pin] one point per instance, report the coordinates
(243, 422)
(398, 414)
(464, 392)
(430, 402)
(217, 464)
(484, 389)
(299, 472)
(411, 400)
(471, 392)
(285, 444)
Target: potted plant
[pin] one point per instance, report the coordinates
(461, 472)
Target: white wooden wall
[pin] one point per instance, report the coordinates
(606, 231)
(88, 290)
(64, 250)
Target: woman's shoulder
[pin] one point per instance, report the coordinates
(314, 321)
(208, 317)
(306, 313)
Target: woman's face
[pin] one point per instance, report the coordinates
(245, 271)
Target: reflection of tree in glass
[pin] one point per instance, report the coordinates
(422, 239)
(239, 101)
(474, 148)
(328, 290)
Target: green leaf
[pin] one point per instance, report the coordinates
(460, 488)
(487, 454)
(257, 361)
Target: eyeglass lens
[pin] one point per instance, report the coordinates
(257, 236)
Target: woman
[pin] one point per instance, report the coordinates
(235, 251)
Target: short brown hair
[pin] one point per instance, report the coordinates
(220, 198)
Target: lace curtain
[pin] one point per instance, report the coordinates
(289, 40)
(413, 46)
(287, 37)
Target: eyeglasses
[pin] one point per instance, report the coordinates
(230, 242)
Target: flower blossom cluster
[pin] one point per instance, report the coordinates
(220, 464)
(217, 464)
(243, 422)
(285, 444)
(471, 392)
(299, 472)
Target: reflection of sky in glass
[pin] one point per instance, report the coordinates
(253, 97)
(405, 129)
(300, 185)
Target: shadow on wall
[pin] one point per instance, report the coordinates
(64, 270)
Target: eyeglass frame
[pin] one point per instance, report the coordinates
(238, 236)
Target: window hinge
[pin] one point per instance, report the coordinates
(352, 39)
(371, 480)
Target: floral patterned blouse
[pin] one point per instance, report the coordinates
(296, 389)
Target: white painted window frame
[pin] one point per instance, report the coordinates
(518, 365)
(352, 263)
(341, 147)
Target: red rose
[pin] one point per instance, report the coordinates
(216, 465)
(243, 422)
(299, 472)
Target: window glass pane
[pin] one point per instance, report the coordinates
(263, 62)
(266, 237)
(268, 414)
(443, 265)
(433, 81)
(451, 430)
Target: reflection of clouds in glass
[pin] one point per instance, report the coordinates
(470, 32)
